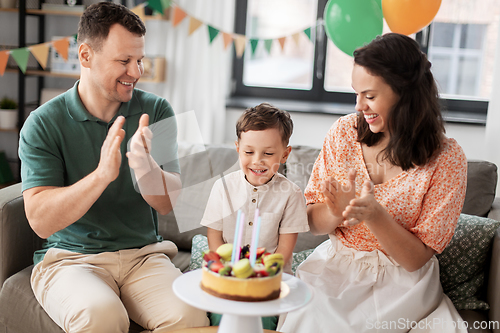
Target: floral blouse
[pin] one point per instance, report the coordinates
(425, 200)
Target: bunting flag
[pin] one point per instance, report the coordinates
(228, 39)
(240, 42)
(156, 5)
(267, 44)
(139, 11)
(254, 43)
(178, 16)
(166, 4)
(212, 33)
(41, 53)
(21, 56)
(308, 33)
(4, 56)
(62, 47)
(194, 24)
(282, 42)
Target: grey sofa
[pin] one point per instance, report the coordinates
(201, 166)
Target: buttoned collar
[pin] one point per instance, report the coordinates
(260, 188)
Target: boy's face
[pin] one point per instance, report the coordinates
(260, 154)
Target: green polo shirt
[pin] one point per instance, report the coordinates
(60, 144)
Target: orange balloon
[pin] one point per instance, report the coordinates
(409, 16)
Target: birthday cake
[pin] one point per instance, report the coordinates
(240, 280)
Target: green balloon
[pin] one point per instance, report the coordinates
(352, 23)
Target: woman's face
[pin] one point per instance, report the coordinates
(374, 97)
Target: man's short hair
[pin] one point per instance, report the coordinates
(98, 18)
(265, 116)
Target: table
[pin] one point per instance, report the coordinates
(242, 317)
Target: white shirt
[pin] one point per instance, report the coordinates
(280, 202)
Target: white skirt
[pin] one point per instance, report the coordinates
(359, 291)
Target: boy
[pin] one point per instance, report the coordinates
(263, 133)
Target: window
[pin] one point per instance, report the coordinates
(282, 61)
(275, 63)
(456, 51)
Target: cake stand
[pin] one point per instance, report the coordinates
(242, 317)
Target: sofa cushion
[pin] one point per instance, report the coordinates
(481, 187)
(200, 167)
(15, 254)
(462, 264)
(19, 309)
(21, 312)
(300, 164)
(299, 257)
(200, 245)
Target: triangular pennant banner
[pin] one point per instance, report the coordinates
(268, 43)
(282, 42)
(4, 56)
(156, 5)
(166, 4)
(62, 47)
(139, 11)
(41, 53)
(212, 33)
(194, 24)
(239, 44)
(227, 39)
(178, 16)
(21, 57)
(296, 38)
(253, 44)
(308, 33)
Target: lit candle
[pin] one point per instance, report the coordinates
(255, 236)
(236, 232)
(240, 233)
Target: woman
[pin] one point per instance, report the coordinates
(388, 187)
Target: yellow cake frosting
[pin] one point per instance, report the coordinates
(250, 290)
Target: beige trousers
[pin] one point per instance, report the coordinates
(100, 292)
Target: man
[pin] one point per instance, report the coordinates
(103, 261)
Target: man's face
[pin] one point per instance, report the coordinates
(117, 66)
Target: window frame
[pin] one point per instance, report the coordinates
(317, 94)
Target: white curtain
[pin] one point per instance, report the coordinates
(493, 118)
(199, 72)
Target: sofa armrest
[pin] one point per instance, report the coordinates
(17, 239)
(494, 212)
(493, 294)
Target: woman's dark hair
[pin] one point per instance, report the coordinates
(415, 123)
(98, 18)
